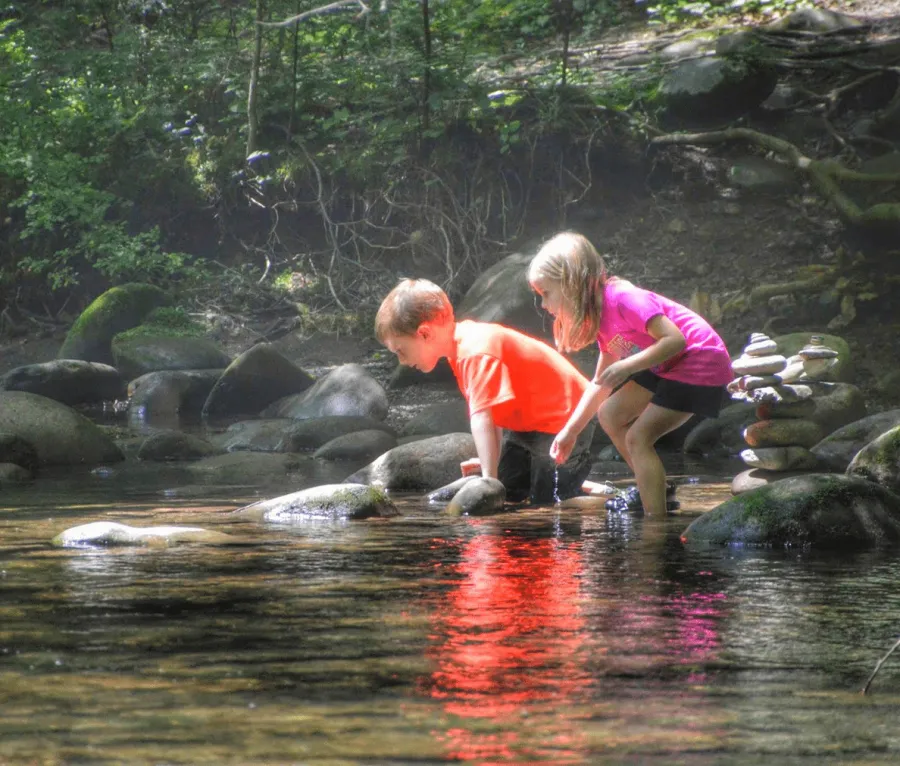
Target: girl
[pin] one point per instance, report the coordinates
(659, 362)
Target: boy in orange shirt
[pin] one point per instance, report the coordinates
(520, 391)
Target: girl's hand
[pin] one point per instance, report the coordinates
(562, 446)
(614, 375)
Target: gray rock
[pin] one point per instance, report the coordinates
(141, 354)
(790, 458)
(420, 465)
(879, 461)
(479, 497)
(111, 533)
(754, 478)
(824, 510)
(175, 445)
(437, 419)
(715, 88)
(783, 432)
(360, 446)
(348, 390)
(70, 381)
(448, 491)
(166, 393)
(313, 433)
(334, 502)
(18, 450)
(58, 434)
(836, 451)
(10, 473)
(502, 295)
(258, 377)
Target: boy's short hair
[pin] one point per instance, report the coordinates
(408, 305)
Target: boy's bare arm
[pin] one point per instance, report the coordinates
(487, 442)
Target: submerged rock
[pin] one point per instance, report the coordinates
(108, 533)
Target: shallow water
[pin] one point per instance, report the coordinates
(556, 635)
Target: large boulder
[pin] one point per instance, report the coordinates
(170, 392)
(116, 310)
(836, 450)
(70, 381)
(330, 502)
(502, 295)
(136, 355)
(359, 447)
(348, 390)
(879, 461)
(825, 510)
(419, 466)
(258, 377)
(441, 418)
(712, 89)
(59, 435)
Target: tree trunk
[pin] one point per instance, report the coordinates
(252, 118)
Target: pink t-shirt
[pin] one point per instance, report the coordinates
(623, 331)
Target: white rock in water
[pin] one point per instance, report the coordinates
(765, 347)
(113, 533)
(758, 365)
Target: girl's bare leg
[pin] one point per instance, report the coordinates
(649, 472)
(618, 412)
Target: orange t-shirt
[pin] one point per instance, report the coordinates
(527, 385)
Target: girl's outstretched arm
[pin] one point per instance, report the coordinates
(594, 395)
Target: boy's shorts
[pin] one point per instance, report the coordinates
(682, 397)
(529, 473)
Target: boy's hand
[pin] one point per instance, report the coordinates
(470, 467)
(562, 446)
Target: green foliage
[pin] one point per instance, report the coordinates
(675, 11)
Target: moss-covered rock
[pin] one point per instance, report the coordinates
(326, 502)
(826, 510)
(143, 353)
(116, 310)
(879, 461)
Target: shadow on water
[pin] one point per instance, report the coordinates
(557, 635)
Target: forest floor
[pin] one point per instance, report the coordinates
(731, 245)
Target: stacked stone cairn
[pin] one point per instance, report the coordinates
(783, 391)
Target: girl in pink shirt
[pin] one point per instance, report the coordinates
(660, 363)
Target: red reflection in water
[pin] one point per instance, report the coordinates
(698, 635)
(510, 634)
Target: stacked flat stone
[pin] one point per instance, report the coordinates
(781, 438)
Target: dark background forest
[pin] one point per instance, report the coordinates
(285, 161)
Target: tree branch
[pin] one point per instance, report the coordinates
(341, 5)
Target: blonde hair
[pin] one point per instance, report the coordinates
(571, 261)
(408, 305)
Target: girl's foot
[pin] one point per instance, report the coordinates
(630, 500)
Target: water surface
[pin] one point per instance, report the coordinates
(554, 635)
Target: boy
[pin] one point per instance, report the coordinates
(520, 391)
